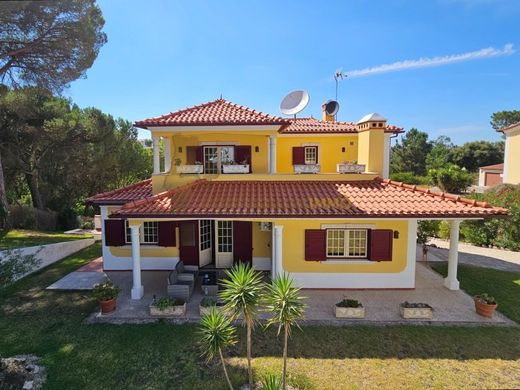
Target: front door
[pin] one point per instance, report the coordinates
(224, 241)
(188, 246)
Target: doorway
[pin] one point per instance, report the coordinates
(224, 244)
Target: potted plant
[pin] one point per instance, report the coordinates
(349, 308)
(167, 307)
(485, 305)
(207, 303)
(350, 167)
(411, 310)
(106, 294)
(234, 167)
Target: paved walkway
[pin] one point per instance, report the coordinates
(474, 255)
(382, 306)
(82, 279)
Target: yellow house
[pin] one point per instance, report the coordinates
(511, 172)
(304, 196)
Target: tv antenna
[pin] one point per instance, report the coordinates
(338, 75)
(294, 102)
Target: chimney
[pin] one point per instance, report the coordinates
(373, 144)
(325, 116)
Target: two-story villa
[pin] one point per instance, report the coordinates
(305, 196)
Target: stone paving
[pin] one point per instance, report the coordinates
(478, 256)
(382, 306)
(82, 279)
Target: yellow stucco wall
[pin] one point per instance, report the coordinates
(371, 150)
(261, 241)
(329, 150)
(293, 251)
(513, 159)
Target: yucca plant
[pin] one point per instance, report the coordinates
(272, 382)
(216, 334)
(242, 292)
(283, 299)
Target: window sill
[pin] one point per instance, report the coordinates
(144, 246)
(346, 261)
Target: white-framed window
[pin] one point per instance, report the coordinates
(347, 243)
(225, 236)
(216, 156)
(311, 155)
(205, 234)
(149, 233)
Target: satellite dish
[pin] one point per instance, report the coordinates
(331, 107)
(294, 102)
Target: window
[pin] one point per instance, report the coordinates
(347, 242)
(225, 236)
(205, 235)
(216, 156)
(311, 155)
(149, 233)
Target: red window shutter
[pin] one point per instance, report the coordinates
(167, 233)
(315, 244)
(243, 153)
(298, 155)
(199, 154)
(380, 244)
(115, 232)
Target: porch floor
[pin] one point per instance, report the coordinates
(381, 306)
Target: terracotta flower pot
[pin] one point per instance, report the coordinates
(108, 306)
(483, 308)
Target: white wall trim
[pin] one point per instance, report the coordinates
(230, 128)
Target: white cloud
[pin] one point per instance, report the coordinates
(489, 52)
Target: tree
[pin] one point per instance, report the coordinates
(451, 178)
(284, 301)
(410, 155)
(475, 154)
(440, 154)
(216, 334)
(501, 119)
(242, 293)
(48, 43)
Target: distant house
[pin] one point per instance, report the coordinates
(511, 173)
(304, 196)
(490, 175)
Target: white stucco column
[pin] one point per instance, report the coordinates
(167, 154)
(278, 242)
(272, 154)
(137, 287)
(451, 281)
(156, 157)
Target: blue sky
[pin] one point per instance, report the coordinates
(166, 55)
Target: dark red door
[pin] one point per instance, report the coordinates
(189, 242)
(243, 242)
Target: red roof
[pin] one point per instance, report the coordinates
(219, 112)
(495, 167)
(509, 127)
(136, 191)
(304, 199)
(316, 126)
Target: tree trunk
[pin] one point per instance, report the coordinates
(32, 183)
(284, 373)
(4, 206)
(225, 369)
(249, 367)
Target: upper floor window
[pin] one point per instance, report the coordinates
(216, 156)
(347, 243)
(311, 155)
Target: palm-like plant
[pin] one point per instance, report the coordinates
(242, 293)
(216, 334)
(283, 299)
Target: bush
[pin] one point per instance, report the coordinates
(443, 230)
(68, 219)
(105, 291)
(26, 217)
(451, 178)
(14, 265)
(410, 178)
(503, 232)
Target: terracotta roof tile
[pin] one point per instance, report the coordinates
(136, 191)
(316, 126)
(306, 199)
(496, 167)
(219, 112)
(512, 126)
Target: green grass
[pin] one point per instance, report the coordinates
(503, 285)
(165, 356)
(22, 238)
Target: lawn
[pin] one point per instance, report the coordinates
(165, 356)
(22, 238)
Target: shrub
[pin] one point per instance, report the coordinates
(68, 219)
(349, 303)
(26, 217)
(14, 265)
(451, 178)
(410, 178)
(444, 230)
(105, 291)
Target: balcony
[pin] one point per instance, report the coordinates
(350, 167)
(306, 168)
